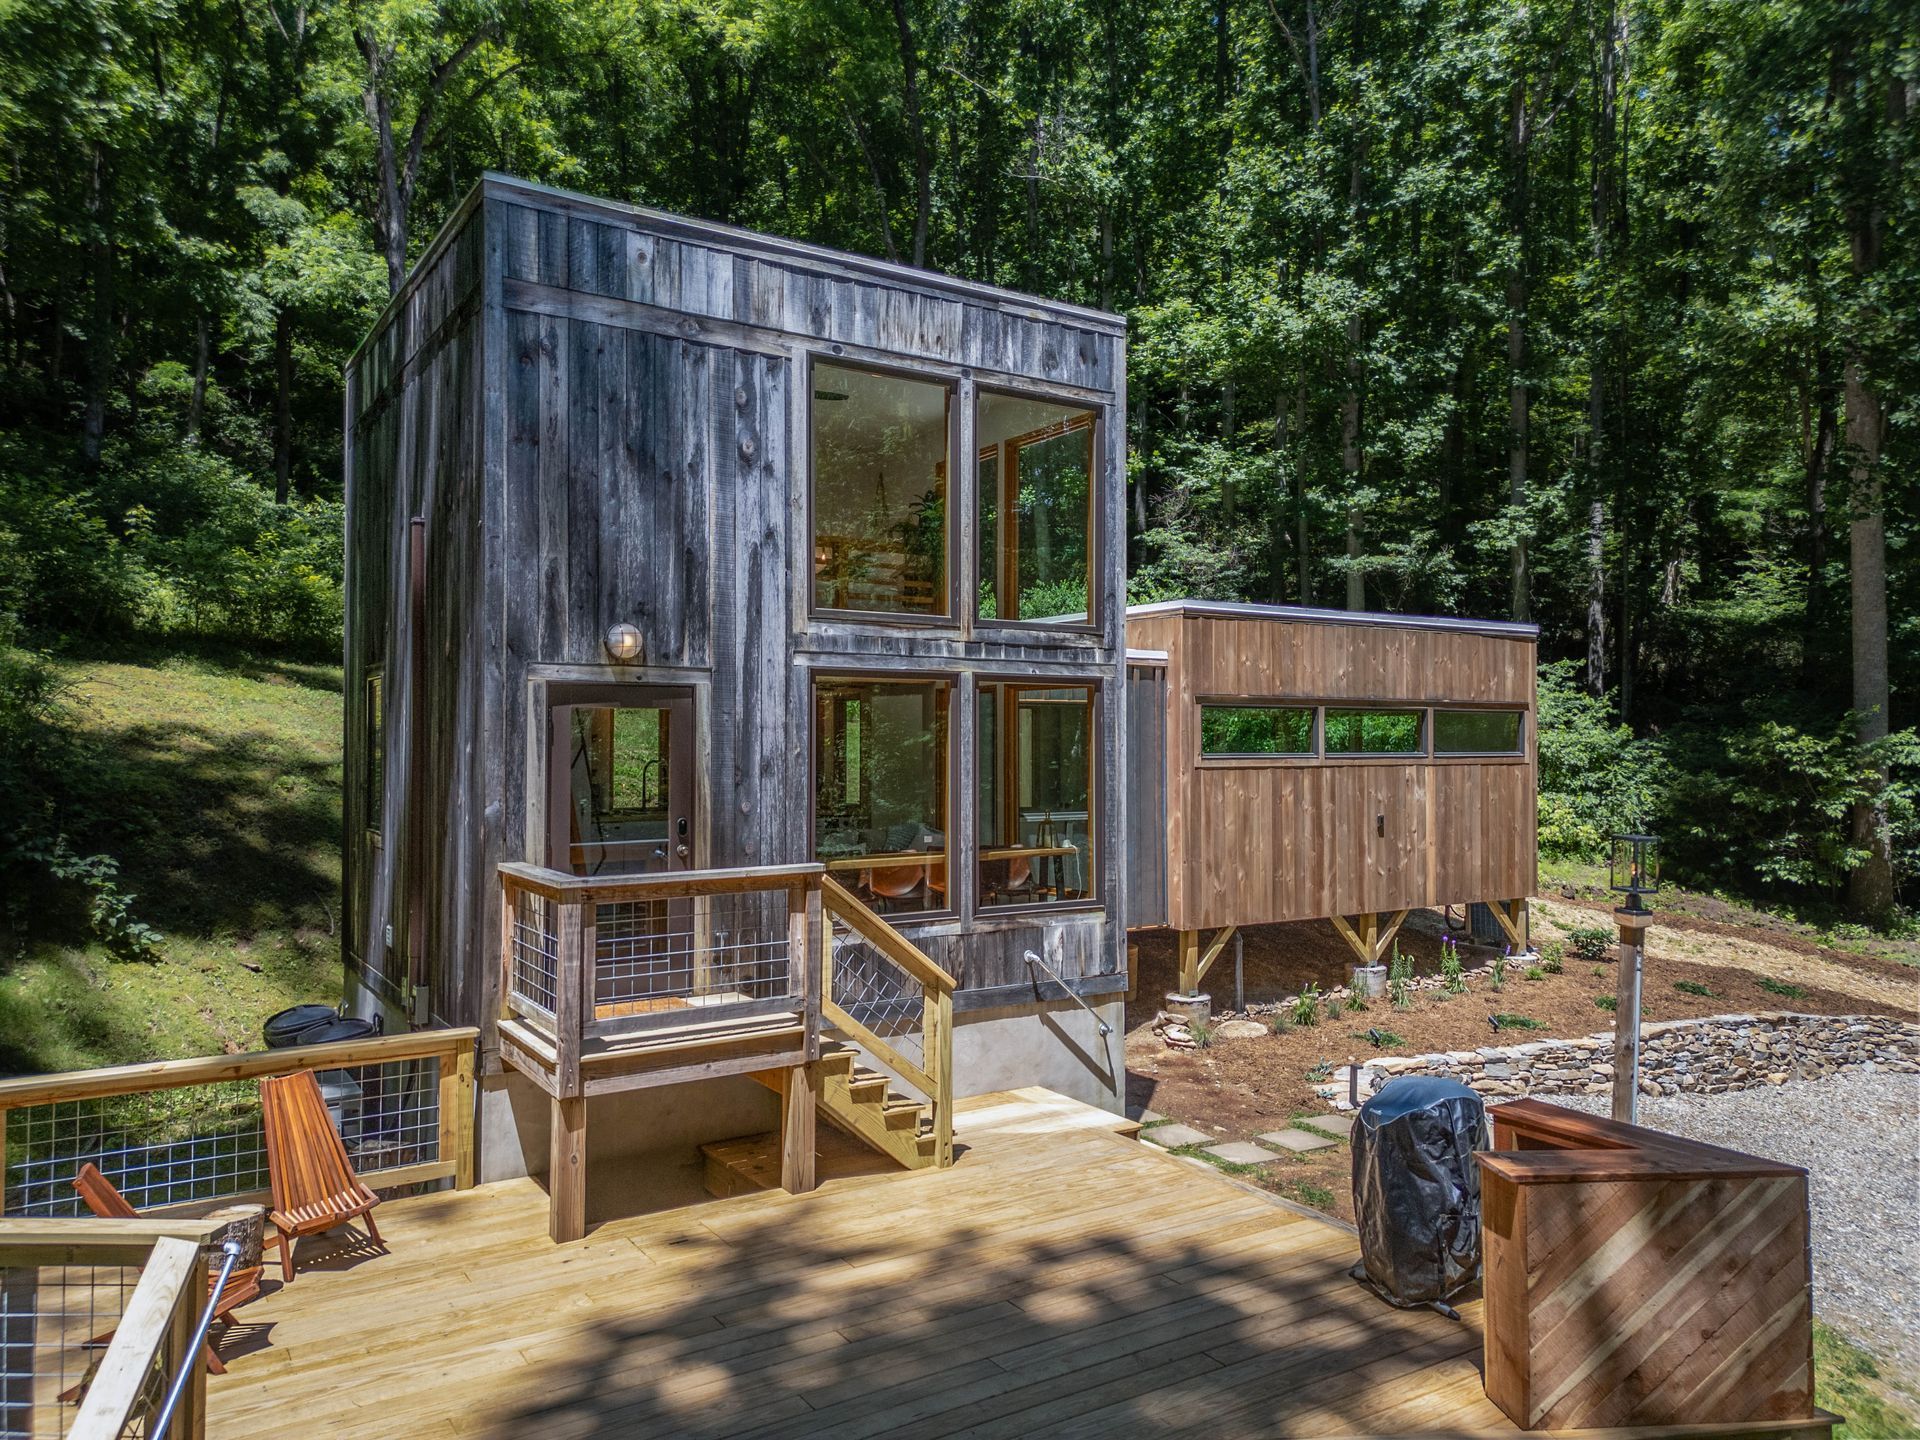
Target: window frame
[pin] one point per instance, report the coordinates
(1096, 700)
(857, 674)
(1098, 416)
(1320, 705)
(1423, 714)
(948, 618)
(1315, 713)
(1521, 736)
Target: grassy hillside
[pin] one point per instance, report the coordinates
(214, 779)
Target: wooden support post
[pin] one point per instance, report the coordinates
(1189, 983)
(571, 976)
(1512, 915)
(1212, 953)
(506, 949)
(1383, 938)
(1133, 980)
(939, 1046)
(1626, 1014)
(798, 1140)
(567, 1170)
(456, 1115)
(190, 1415)
(1344, 928)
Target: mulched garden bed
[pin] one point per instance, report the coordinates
(1239, 1088)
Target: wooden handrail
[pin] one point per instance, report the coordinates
(174, 1277)
(212, 1069)
(874, 929)
(666, 884)
(91, 1240)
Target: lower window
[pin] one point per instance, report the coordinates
(880, 789)
(1034, 752)
(1375, 732)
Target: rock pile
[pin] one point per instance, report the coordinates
(1703, 1056)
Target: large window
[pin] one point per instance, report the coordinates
(879, 492)
(1034, 752)
(1256, 729)
(1375, 732)
(1476, 732)
(1036, 467)
(880, 789)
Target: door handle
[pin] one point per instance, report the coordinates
(681, 850)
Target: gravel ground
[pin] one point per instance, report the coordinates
(1858, 1135)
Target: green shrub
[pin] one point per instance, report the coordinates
(1591, 942)
(1533, 972)
(1500, 972)
(1306, 1006)
(1355, 1001)
(1399, 976)
(1606, 1002)
(1378, 1037)
(1518, 1022)
(1780, 987)
(1453, 977)
(1202, 1033)
(1553, 955)
(1691, 987)
(1596, 779)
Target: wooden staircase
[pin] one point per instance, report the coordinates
(861, 1105)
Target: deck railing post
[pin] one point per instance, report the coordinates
(456, 1115)
(569, 1017)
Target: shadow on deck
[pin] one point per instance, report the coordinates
(1059, 1280)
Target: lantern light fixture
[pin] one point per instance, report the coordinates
(1633, 870)
(623, 643)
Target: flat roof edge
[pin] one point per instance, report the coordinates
(780, 246)
(1246, 610)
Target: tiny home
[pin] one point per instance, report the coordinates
(1326, 764)
(702, 694)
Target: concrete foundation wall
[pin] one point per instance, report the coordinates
(1057, 1045)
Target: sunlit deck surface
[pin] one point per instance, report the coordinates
(1059, 1280)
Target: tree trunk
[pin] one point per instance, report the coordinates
(916, 128)
(197, 404)
(1870, 886)
(282, 406)
(100, 324)
(1599, 450)
(1519, 605)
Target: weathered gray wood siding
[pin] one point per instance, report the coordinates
(638, 403)
(415, 448)
(1146, 795)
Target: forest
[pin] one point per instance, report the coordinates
(1603, 314)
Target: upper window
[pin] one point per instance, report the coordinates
(1256, 730)
(879, 491)
(1375, 732)
(880, 789)
(1034, 753)
(1476, 732)
(1036, 468)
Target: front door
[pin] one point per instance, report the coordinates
(620, 802)
(620, 797)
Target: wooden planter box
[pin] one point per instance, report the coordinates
(1633, 1278)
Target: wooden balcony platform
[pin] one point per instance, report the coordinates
(1059, 1279)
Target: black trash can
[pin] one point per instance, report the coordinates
(346, 1093)
(1416, 1190)
(290, 1026)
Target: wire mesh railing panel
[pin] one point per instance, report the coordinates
(535, 955)
(877, 993)
(673, 952)
(206, 1142)
(55, 1324)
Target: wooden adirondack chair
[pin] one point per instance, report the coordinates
(109, 1204)
(314, 1187)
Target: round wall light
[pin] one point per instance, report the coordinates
(623, 643)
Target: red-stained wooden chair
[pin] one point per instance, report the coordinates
(109, 1204)
(314, 1187)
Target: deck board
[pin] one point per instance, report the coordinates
(1059, 1279)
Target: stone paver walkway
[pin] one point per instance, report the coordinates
(1300, 1142)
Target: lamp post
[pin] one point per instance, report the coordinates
(1633, 870)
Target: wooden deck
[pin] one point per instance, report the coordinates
(1059, 1279)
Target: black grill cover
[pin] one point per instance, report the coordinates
(1416, 1190)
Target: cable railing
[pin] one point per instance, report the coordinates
(179, 1133)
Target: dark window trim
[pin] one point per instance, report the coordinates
(949, 618)
(935, 675)
(1096, 689)
(1096, 512)
(1312, 751)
